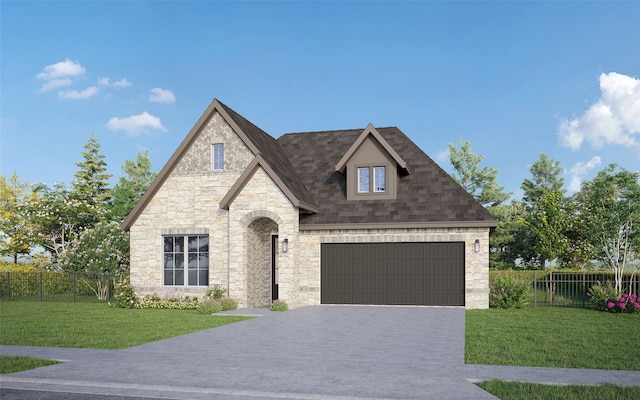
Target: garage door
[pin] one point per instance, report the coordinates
(393, 273)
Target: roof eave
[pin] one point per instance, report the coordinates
(401, 225)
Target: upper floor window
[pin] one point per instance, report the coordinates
(376, 180)
(218, 156)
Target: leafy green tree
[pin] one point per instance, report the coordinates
(130, 188)
(91, 182)
(546, 174)
(16, 235)
(610, 205)
(481, 183)
(504, 247)
(97, 250)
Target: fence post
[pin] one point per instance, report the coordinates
(535, 288)
(584, 288)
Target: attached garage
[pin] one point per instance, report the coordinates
(431, 274)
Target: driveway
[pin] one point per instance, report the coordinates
(320, 352)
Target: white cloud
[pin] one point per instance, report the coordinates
(443, 157)
(122, 83)
(613, 119)
(579, 170)
(162, 96)
(54, 84)
(75, 95)
(136, 124)
(103, 82)
(59, 70)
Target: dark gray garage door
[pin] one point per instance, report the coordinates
(393, 273)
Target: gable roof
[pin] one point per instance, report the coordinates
(428, 197)
(258, 141)
(370, 131)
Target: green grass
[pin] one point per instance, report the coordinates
(97, 326)
(553, 337)
(9, 364)
(534, 391)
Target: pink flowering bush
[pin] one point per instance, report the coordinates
(507, 291)
(605, 298)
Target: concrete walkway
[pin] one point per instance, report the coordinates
(321, 352)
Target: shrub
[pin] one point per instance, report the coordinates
(124, 296)
(279, 305)
(209, 306)
(215, 293)
(172, 303)
(507, 291)
(605, 298)
(228, 304)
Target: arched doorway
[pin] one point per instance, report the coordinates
(259, 261)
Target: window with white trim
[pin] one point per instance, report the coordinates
(376, 180)
(194, 249)
(218, 156)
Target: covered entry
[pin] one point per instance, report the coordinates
(393, 273)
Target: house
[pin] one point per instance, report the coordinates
(359, 216)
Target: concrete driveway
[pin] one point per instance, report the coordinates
(322, 352)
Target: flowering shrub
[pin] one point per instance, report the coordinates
(507, 291)
(228, 304)
(215, 293)
(124, 296)
(173, 303)
(605, 298)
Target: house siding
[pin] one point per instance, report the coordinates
(476, 264)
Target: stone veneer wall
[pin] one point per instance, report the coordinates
(476, 264)
(188, 203)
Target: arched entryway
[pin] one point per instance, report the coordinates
(260, 251)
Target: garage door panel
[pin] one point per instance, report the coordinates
(392, 273)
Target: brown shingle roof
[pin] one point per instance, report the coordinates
(428, 196)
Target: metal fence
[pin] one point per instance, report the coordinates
(55, 286)
(569, 289)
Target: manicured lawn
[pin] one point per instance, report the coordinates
(553, 337)
(98, 326)
(9, 364)
(534, 391)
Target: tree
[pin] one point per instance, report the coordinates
(101, 249)
(15, 231)
(504, 247)
(91, 183)
(546, 174)
(610, 205)
(130, 188)
(481, 183)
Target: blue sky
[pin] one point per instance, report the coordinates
(516, 79)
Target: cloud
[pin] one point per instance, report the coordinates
(443, 157)
(103, 82)
(136, 124)
(613, 119)
(579, 170)
(75, 95)
(59, 70)
(54, 84)
(162, 96)
(122, 83)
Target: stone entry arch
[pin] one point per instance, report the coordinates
(258, 248)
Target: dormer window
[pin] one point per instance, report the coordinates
(372, 182)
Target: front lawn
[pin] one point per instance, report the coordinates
(559, 337)
(96, 325)
(9, 364)
(536, 391)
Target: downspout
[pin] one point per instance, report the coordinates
(229, 251)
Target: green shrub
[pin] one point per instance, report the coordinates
(171, 303)
(605, 298)
(279, 305)
(124, 296)
(215, 293)
(507, 291)
(228, 304)
(209, 306)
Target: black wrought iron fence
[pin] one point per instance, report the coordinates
(569, 289)
(55, 286)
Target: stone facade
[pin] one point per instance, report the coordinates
(240, 238)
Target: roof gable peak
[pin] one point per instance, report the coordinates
(370, 130)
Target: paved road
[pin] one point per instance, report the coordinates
(323, 352)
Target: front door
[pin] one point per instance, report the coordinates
(274, 267)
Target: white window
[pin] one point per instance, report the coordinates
(379, 179)
(218, 157)
(363, 180)
(196, 253)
